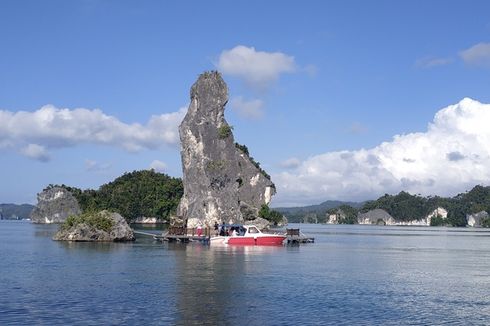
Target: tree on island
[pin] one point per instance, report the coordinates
(136, 194)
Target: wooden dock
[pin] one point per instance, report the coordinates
(185, 235)
(295, 236)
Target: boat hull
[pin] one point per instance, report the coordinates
(265, 240)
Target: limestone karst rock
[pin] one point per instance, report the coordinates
(54, 205)
(221, 182)
(118, 232)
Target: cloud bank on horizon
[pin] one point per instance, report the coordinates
(452, 156)
(33, 134)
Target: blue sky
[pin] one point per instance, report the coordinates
(318, 91)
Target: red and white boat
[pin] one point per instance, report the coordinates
(249, 235)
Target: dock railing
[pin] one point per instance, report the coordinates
(182, 230)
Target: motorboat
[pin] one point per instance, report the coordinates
(248, 235)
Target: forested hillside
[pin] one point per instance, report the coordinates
(402, 207)
(136, 194)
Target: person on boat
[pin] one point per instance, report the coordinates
(199, 230)
(233, 233)
(216, 228)
(222, 230)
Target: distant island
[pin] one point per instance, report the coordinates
(138, 196)
(130, 195)
(471, 208)
(15, 212)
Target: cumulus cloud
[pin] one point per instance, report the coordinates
(36, 152)
(252, 109)
(450, 157)
(257, 68)
(158, 166)
(477, 55)
(290, 163)
(34, 133)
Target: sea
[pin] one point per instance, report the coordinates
(351, 275)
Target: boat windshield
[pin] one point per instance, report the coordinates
(253, 229)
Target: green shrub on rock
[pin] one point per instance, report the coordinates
(97, 220)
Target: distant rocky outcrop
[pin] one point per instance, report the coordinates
(382, 217)
(148, 220)
(54, 205)
(376, 216)
(476, 219)
(101, 227)
(221, 181)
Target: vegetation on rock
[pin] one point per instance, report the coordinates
(224, 131)
(271, 215)
(99, 220)
(346, 214)
(245, 151)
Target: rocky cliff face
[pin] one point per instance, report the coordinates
(380, 216)
(119, 231)
(376, 216)
(54, 205)
(221, 182)
(476, 218)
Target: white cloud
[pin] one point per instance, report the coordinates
(94, 166)
(452, 156)
(158, 166)
(430, 62)
(477, 55)
(259, 69)
(252, 109)
(36, 152)
(51, 127)
(290, 163)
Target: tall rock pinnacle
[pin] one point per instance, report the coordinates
(221, 181)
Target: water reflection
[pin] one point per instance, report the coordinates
(214, 280)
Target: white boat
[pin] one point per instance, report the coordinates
(249, 235)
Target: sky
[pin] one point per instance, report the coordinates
(338, 100)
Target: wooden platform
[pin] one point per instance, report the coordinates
(295, 236)
(185, 235)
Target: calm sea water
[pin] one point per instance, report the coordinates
(352, 275)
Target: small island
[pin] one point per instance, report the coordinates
(103, 226)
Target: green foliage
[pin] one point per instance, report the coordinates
(403, 207)
(346, 214)
(437, 221)
(224, 131)
(243, 148)
(215, 165)
(485, 222)
(297, 214)
(135, 194)
(270, 215)
(245, 151)
(99, 220)
(350, 214)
